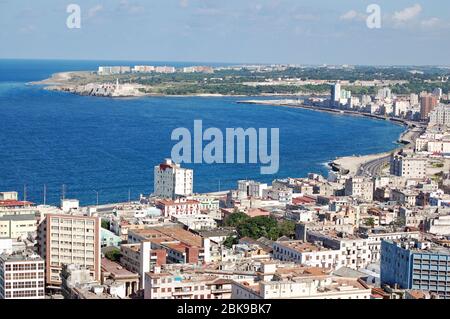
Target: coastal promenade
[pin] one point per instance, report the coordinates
(369, 165)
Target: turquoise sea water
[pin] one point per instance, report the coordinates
(111, 145)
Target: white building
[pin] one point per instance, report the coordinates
(307, 254)
(68, 205)
(252, 188)
(172, 181)
(21, 276)
(408, 166)
(440, 116)
(307, 286)
(359, 187)
(197, 222)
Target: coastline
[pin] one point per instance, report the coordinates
(354, 165)
(64, 82)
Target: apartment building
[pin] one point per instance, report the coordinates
(440, 116)
(252, 188)
(181, 246)
(414, 264)
(355, 252)
(307, 283)
(17, 226)
(69, 239)
(308, 254)
(178, 207)
(408, 166)
(172, 181)
(186, 286)
(360, 187)
(375, 239)
(22, 276)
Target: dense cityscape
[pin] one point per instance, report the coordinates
(371, 229)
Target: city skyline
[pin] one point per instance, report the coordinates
(252, 32)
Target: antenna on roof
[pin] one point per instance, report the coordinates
(24, 192)
(45, 194)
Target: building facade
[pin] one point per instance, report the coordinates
(22, 276)
(172, 181)
(69, 239)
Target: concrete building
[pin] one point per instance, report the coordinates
(197, 222)
(6, 246)
(439, 225)
(407, 166)
(181, 246)
(4, 196)
(113, 272)
(69, 239)
(359, 187)
(355, 252)
(308, 254)
(186, 286)
(17, 226)
(172, 181)
(178, 207)
(77, 283)
(427, 104)
(22, 276)
(412, 264)
(308, 283)
(68, 205)
(440, 116)
(252, 188)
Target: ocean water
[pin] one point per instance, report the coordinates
(108, 145)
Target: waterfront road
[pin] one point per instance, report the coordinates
(374, 167)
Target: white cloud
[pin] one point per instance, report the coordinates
(431, 23)
(352, 15)
(184, 3)
(92, 12)
(407, 14)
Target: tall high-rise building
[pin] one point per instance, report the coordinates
(69, 239)
(172, 181)
(22, 276)
(335, 94)
(427, 104)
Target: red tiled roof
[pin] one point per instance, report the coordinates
(14, 203)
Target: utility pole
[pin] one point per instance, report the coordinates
(129, 195)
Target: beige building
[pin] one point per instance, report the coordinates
(408, 166)
(16, 226)
(186, 286)
(69, 239)
(21, 276)
(307, 254)
(307, 283)
(359, 187)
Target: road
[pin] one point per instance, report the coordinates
(374, 167)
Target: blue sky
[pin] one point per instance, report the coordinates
(234, 31)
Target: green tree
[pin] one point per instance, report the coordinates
(236, 219)
(105, 224)
(230, 241)
(113, 254)
(287, 228)
(370, 222)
